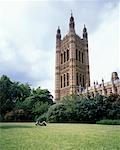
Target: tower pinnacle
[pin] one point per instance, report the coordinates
(85, 35)
(58, 35)
(72, 23)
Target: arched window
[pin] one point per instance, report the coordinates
(67, 79)
(82, 58)
(64, 56)
(64, 80)
(76, 54)
(83, 81)
(79, 55)
(77, 82)
(67, 54)
(61, 81)
(80, 78)
(61, 58)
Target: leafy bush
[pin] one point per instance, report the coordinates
(43, 117)
(74, 108)
(1, 118)
(57, 113)
(109, 122)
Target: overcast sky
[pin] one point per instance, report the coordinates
(28, 30)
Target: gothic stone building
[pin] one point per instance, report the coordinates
(72, 73)
(72, 62)
(111, 87)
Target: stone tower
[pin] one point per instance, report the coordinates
(72, 62)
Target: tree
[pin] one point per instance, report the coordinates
(56, 113)
(112, 104)
(37, 103)
(44, 95)
(18, 101)
(6, 103)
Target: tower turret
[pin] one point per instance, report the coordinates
(114, 76)
(58, 35)
(85, 35)
(72, 24)
(85, 40)
(57, 67)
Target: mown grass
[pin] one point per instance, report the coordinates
(27, 136)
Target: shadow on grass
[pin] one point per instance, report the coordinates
(14, 126)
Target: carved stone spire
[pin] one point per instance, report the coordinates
(58, 35)
(103, 88)
(114, 76)
(72, 24)
(85, 35)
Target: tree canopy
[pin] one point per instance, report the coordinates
(19, 102)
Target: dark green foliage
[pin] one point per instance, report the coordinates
(75, 108)
(112, 105)
(37, 103)
(19, 103)
(6, 102)
(109, 122)
(57, 113)
(1, 117)
(42, 118)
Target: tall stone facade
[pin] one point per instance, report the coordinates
(72, 62)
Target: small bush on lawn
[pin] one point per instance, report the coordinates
(43, 117)
(109, 122)
(57, 113)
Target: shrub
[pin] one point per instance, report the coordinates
(57, 113)
(74, 108)
(1, 118)
(109, 122)
(42, 118)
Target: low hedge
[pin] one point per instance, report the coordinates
(109, 122)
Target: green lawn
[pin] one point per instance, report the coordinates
(27, 136)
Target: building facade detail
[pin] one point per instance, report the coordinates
(111, 87)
